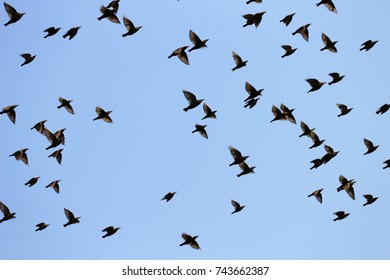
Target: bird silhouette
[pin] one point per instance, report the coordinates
(192, 100)
(237, 206)
(251, 103)
(367, 45)
(315, 84)
(13, 15)
(317, 194)
(198, 43)
(108, 14)
(114, 5)
(66, 104)
(370, 146)
(330, 153)
(28, 58)
(21, 155)
(245, 169)
(130, 27)
(168, 196)
(41, 226)
(288, 113)
(336, 78)
(255, 1)
(190, 240)
(328, 4)
(103, 115)
(287, 19)
(208, 112)
(305, 129)
(71, 32)
(340, 215)
(201, 129)
(40, 126)
(32, 181)
(239, 62)
(57, 155)
(304, 31)
(329, 44)
(71, 218)
(52, 138)
(316, 140)
(278, 115)
(343, 109)
(110, 230)
(253, 19)
(383, 109)
(369, 199)
(181, 54)
(55, 185)
(237, 156)
(316, 163)
(10, 111)
(252, 91)
(7, 215)
(288, 50)
(387, 162)
(51, 31)
(347, 185)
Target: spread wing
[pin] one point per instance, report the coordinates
(68, 214)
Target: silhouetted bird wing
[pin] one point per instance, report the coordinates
(236, 154)
(287, 48)
(243, 166)
(313, 82)
(128, 24)
(235, 204)
(334, 75)
(108, 229)
(194, 38)
(368, 144)
(343, 180)
(328, 149)
(69, 215)
(10, 10)
(237, 58)
(368, 197)
(4, 209)
(191, 98)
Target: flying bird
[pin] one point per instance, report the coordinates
(245, 169)
(103, 115)
(239, 62)
(288, 50)
(21, 155)
(110, 230)
(383, 109)
(41, 226)
(52, 138)
(57, 155)
(330, 153)
(251, 103)
(347, 185)
(370, 199)
(256, 1)
(367, 45)
(181, 54)
(237, 156)
(198, 43)
(387, 162)
(10, 111)
(316, 140)
(343, 109)
(208, 112)
(71, 218)
(66, 104)
(108, 14)
(192, 100)
(6, 213)
(315, 84)
(317, 194)
(168, 196)
(253, 19)
(336, 78)
(252, 91)
(340, 215)
(278, 115)
(13, 15)
(370, 146)
(305, 129)
(40, 126)
(304, 31)
(288, 113)
(329, 45)
(287, 19)
(51, 31)
(237, 206)
(201, 129)
(328, 4)
(190, 240)
(71, 32)
(27, 58)
(54, 185)
(32, 181)
(131, 28)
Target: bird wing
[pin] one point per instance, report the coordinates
(195, 245)
(26, 55)
(331, 7)
(248, 16)
(342, 107)
(343, 180)
(183, 57)
(328, 149)
(368, 196)
(109, 228)
(287, 48)
(237, 58)
(194, 38)
(113, 18)
(243, 166)
(276, 111)
(235, 204)
(69, 108)
(312, 82)
(368, 144)
(189, 96)
(68, 214)
(325, 39)
(249, 88)
(314, 137)
(318, 196)
(334, 75)
(339, 213)
(185, 236)
(10, 10)
(206, 108)
(128, 24)
(304, 126)
(351, 192)
(235, 153)
(4, 209)
(99, 110)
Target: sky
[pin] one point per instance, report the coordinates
(116, 174)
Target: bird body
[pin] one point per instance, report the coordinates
(329, 44)
(201, 129)
(252, 91)
(41, 226)
(253, 19)
(340, 215)
(316, 140)
(51, 31)
(347, 185)
(32, 181)
(287, 19)
(54, 185)
(383, 109)
(336, 78)
(103, 115)
(57, 155)
(328, 4)
(208, 112)
(367, 45)
(304, 31)
(110, 230)
(305, 129)
(370, 146)
(66, 104)
(237, 156)
(245, 169)
(40, 127)
(369, 199)
(108, 14)
(343, 109)
(288, 50)
(315, 84)
(168, 196)
(71, 32)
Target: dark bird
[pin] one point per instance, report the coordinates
(51, 31)
(330, 153)
(317, 194)
(71, 218)
(347, 185)
(7, 214)
(343, 109)
(110, 231)
(245, 169)
(316, 163)
(32, 181)
(329, 45)
(131, 28)
(41, 226)
(71, 32)
(251, 103)
(66, 104)
(192, 100)
(201, 129)
(278, 115)
(316, 140)
(315, 84)
(54, 185)
(169, 196)
(40, 127)
(21, 155)
(367, 45)
(103, 115)
(253, 19)
(108, 14)
(27, 58)
(10, 111)
(288, 50)
(237, 206)
(208, 112)
(305, 130)
(328, 4)
(181, 54)
(198, 43)
(288, 113)
(370, 146)
(52, 138)
(57, 155)
(304, 31)
(252, 91)
(60, 135)
(239, 62)
(340, 215)
(114, 5)
(387, 162)
(370, 199)
(256, 1)
(237, 156)
(383, 109)
(13, 15)
(336, 78)
(190, 240)
(287, 19)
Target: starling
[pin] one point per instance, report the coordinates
(278, 115)
(370, 199)
(41, 226)
(256, 1)
(252, 91)
(114, 5)
(181, 54)
(71, 218)
(387, 162)
(66, 104)
(168, 196)
(315, 84)
(347, 185)
(190, 240)
(201, 129)
(330, 153)
(316, 163)
(329, 45)
(288, 50)
(336, 78)
(131, 29)
(21, 155)
(110, 231)
(104, 115)
(316, 140)
(13, 15)
(57, 155)
(367, 45)
(32, 181)
(237, 156)
(383, 109)
(317, 194)
(370, 146)
(71, 32)
(251, 103)
(192, 100)
(40, 127)
(51, 31)
(287, 19)
(344, 109)
(54, 185)
(109, 14)
(10, 111)
(198, 43)
(7, 214)
(237, 206)
(239, 62)
(328, 4)
(288, 113)
(253, 19)
(245, 169)
(304, 31)
(305, 130)
(209, 113)
(54, 141)
(60, 135)
(27, 58)
(340, 215)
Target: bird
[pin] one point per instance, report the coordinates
(131, 28)
(13, 15)
(198, 43)
(251, 103)
(208, 112)
(367, 45)
(237, 156)
(32, 181)
(51, 31)
(245, 169)
(40, 126)
(305, 129)
(54, 185)
(315, 84)
(287, 19)
(370, 146)
(336, 78)
(239, 62)
(192, 100)
(316, 140)
(316, 163)
(383, 109)
(256, 1)
(237, 206)
(21, 155)
(317, 194)
(7, 214)
(328, 4)
(10, 111)
(278, 115)
(53, 139)
(329, 45)
(387, 162)
(103, 115)
(343, 109)
(347, 185)
(71, 32)
(66, 104)
(71, 218)
(60, 135)
(288, 50)
(201, 129)
(57, 155)
(27, 58)
(41, 226)
(370, 199)
(168, 196)
(252, 91)
(253, 19)
(330, 153)
(108, 14)
(288, 113)
(190, 240)
(181, 54)
(110, 230)
(304, 31)
(114, 5)
(340, 215)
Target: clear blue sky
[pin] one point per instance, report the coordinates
(116, 174)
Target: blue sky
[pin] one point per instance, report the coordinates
(116, 174)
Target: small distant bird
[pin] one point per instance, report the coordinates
(343, 109)
(305, 130)
(21, 155)
(287, 19)
(52, 138)
(239, 62)
(347, 185)
(370, 146)
(387, 162)
(190, 240)
(32, 181)
(336, 78)
(370, 199)
(256, 1)
(340, 215)
(13, 15)
(54, 185)
(131, 28)
(71, 32)
(367, 45)
(60, 135)
(27, 58)
(169, 196)
(209, 113)
(114, 5)
(328, 4)
(41, 226)
(288, 50)
(109, 14)
(237, 206)
(252, 91)
(198, 43)
(245, 169)
(316, 163)
(192, 100)
(40, 127)
(51, 31)
(383, 109)
(251, 103)
(201, 129)
(66, 104)
(304, 31)
(10, 111)
(330, 153)
(329, 45)
(278, 115)
(237, 156)
(110, 231)
(103, 115)
(181, 54)
(317, 194)
(315, 84)
(288, 113)
(71, 218)
(57, 155)
(316, 140)
(7, 214)
(253, 19)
